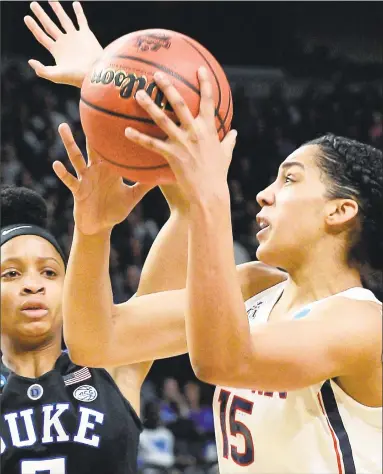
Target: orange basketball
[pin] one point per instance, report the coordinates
(108, 104)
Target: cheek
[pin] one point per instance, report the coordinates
(299, 219)
(8, 305)
(299, 210)
(55, 299)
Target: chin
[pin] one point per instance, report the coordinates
(269, 256)
(36, 329)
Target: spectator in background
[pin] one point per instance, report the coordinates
(117, 279)
(376, 130)
(174, 413)
(173, 404)
(130, 284)
(201, 415)
(156, 451)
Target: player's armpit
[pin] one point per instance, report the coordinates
(338, 338)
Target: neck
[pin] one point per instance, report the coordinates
(318, 278)
(31, 363)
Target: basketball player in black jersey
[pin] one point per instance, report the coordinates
(56, 416)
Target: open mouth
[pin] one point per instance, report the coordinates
(263, 230)
(263, 224)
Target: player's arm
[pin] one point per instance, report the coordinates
(164, 269)
(153, 326)
(145, 327)
(73, 48)
(165, 266)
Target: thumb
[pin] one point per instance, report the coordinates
(229, 142)
(46, 72)
(140, 189)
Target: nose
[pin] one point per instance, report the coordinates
(266, 196)
(32, 287)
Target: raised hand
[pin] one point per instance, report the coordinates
(74, 51)
(198, 159)
(101, 199)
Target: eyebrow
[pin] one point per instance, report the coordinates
(19, 260)
(289, 164)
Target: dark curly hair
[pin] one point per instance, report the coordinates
(22, 205)
(354, 170)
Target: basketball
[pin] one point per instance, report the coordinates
(108, 105)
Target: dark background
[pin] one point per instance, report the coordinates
(238, 33)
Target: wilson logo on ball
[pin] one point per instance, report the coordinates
(129, 84)
(153, 42)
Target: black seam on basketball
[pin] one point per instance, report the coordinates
(142, 168)
(217, 114)
(120, 115)
(182, 79)
(163, 68)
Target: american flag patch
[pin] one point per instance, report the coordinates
(78, 376)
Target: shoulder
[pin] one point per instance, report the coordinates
(356, 324)
(256, 277)
(356, 312)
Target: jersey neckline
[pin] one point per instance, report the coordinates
(279, 288)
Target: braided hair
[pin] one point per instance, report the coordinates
(354, 170)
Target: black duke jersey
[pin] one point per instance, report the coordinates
(71, 420)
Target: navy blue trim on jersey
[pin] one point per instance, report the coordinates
(336, 422)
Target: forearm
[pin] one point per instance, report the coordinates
(88, 299)
(165, 269)
(215, 318)
(165, 265)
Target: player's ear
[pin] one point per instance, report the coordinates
(340, 212)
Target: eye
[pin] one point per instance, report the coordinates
(288, 179)
(10, 274)
(48, 272)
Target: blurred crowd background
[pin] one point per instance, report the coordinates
(297, 70)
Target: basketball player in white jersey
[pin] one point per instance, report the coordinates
(306, 359)
(299, 369)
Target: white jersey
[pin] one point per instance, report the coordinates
(316, 430)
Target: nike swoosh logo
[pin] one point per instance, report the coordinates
(5, 232)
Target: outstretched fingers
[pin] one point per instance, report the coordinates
(74, 153)
(49, 26)
(65, 177)
(63, 18)
(80, 15)
(38, 33)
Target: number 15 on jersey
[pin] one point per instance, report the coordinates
(236, 427)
